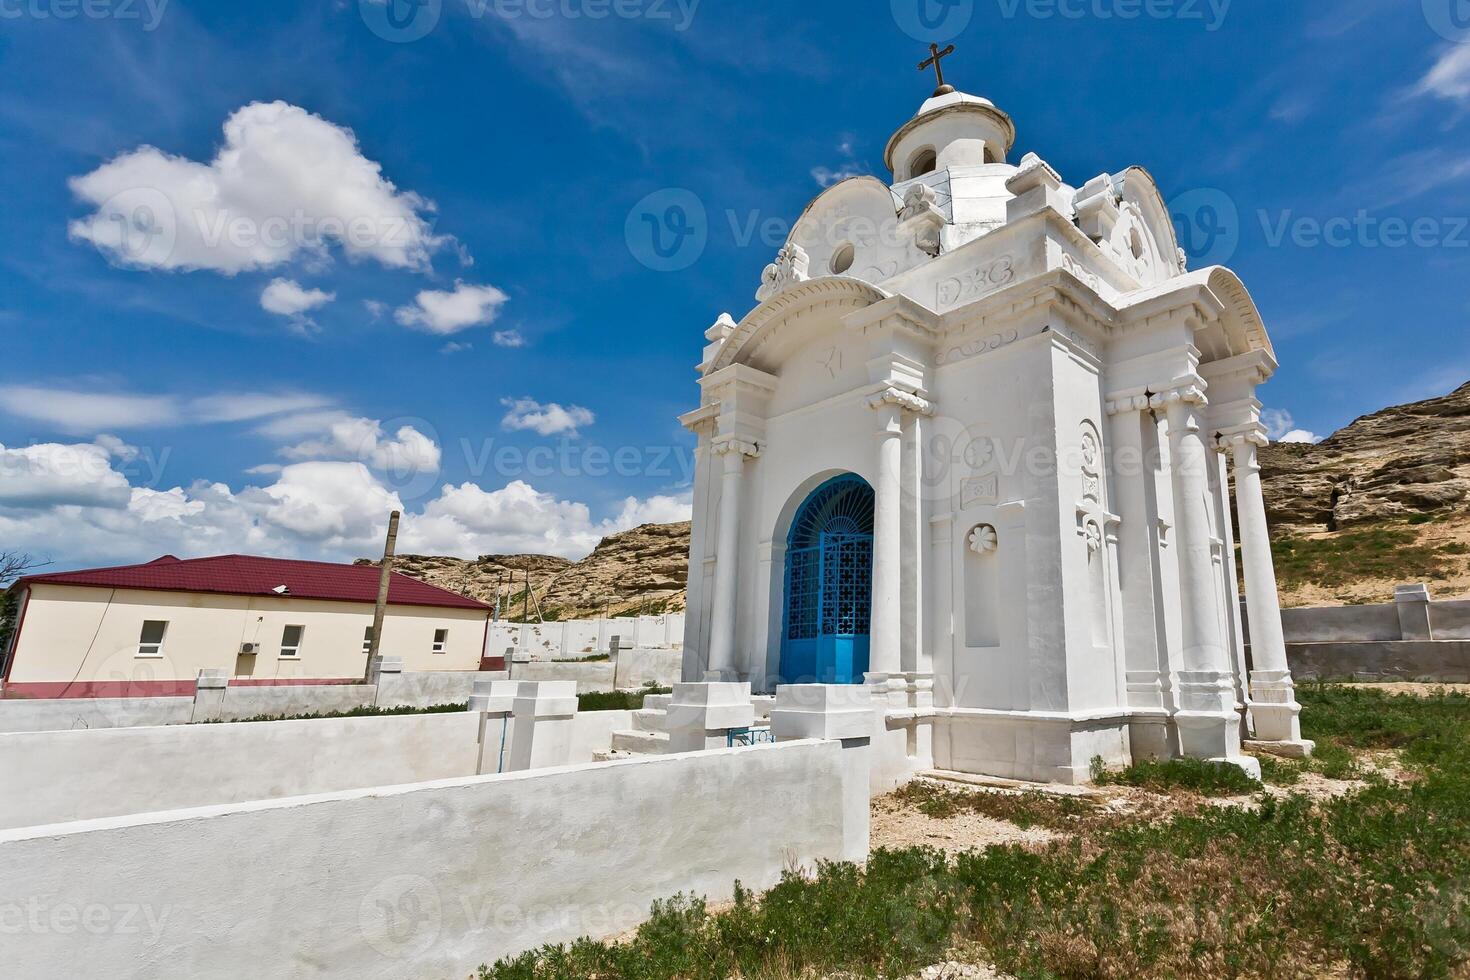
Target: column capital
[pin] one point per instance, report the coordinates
(898, 398)
(1241, 436)
(1187, 390)
(730, 445)
(1124, 402)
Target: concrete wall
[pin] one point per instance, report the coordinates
(641, 666)
(63, 714)
(589, 676)
(415, 689)
(577, 638)
(1443, 662)
(75, 641)
(1451, 620)
(423, 881)
(58, 776)
(54, 777)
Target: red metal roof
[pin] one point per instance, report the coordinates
(249, 575)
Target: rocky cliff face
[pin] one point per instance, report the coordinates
(642, 570)
(1397, 463)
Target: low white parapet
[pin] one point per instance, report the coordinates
(839, 711)
(701, 715)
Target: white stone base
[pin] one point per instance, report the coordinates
(1301, 749)
(1276, 713)
(1048, 747)
(701, 715)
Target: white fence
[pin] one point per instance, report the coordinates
(578, 638)
(429, 880)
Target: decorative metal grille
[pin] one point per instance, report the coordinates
(829, 562)
(749, 736)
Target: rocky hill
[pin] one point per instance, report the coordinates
(1400, 462)
(637, 571)
(1383, 501)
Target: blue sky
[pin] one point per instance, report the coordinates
(410, 270)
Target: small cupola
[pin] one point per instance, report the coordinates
(951, 129)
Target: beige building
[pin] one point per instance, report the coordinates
(149, 629)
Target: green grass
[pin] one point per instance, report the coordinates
(1372, 884)
(1388, 552)
(617, 700)
(1190, 775)
(366, 711)
(1025, 810)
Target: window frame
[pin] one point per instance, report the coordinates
(295, 653)
(157, 652)
(440, 643)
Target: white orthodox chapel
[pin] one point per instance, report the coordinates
(973, 448)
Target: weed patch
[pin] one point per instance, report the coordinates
(1176, 775)
(617, 700)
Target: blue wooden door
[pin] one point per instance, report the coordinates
(829, 585)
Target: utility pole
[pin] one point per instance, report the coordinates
(384, 578)
(526, 598)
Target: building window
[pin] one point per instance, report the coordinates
(926, 161)
(367, 639)
(441, 640)
(843, 258)
(291, 641)
(150, 640)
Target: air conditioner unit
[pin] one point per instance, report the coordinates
(249, 649)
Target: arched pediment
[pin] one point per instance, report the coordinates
(1153, 255)
(787, 312)
(860, 214)
(1242, 322)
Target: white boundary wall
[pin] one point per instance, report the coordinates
(419, 881)
(577, 638)
(55, 777)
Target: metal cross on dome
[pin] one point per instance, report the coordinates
(935, 61)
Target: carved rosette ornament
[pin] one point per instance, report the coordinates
(984, 540)
(1094, 537)
(790, 268)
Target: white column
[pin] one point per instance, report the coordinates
(1277, 713)
(1208, 725)
(727, 562)
(1149, 685)
(887, 542)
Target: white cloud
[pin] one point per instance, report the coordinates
(826, 176)
(288, 298)
(1281, 427)
(73, 504)
(447, 312)
(284, 183)
(1450, 76)
(86, 412)
(342, 437)
(1301, 435)
(547, 420)
(508, 338)
(55, 475)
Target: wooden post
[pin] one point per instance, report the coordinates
(526, 598)
(384, 578)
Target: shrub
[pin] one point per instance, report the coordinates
(1190, 775)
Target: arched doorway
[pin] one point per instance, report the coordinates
(829, 585)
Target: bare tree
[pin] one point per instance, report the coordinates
(14, 564)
